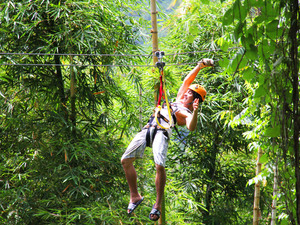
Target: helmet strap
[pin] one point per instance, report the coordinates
(191, 103)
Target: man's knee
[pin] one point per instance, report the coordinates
(159, 167)
(127, 161)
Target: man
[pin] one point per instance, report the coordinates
(184, 112)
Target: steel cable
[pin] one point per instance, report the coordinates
(100, 65)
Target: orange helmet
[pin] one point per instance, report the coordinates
(198, 89)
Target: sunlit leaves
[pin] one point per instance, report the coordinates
(263, 33)
(35, 123)
(237, 11)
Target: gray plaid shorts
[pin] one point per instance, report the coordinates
(159, 145)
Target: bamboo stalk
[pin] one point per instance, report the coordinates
(154, 32)
(256, 211)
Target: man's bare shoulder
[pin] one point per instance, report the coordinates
(182, 114)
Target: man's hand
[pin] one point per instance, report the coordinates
(206, 62)
(191, 119)
(196, 105)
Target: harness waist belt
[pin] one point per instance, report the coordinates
(148, 126)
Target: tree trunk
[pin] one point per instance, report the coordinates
(275, 192)
(73, 98)
(211, 175)
(60, 86)
(256, 211)
(294, 8)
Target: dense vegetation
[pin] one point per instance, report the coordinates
(77, 83)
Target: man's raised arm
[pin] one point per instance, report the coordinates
(188, 80)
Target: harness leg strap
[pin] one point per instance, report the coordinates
(154, 133)
(148, 137)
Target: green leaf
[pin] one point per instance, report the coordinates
(238, 31)
(243, 10)
(205, 2)
(272, 26)
(260, 91)
(266, 48)
(272, 29)
(264, 158)
(256, 3)
(251, 52)
(249, 40)
(190, 38)
(193, 30)
(224, 45)
(270, 11)
(6, 78)
(224, 62)
(248, 74)
(236, 9)
(243, 63)
(273, 131)
(260, 19)
(228, 17)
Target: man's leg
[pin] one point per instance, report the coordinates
(160, 148)
(131, 177)
(160, 182)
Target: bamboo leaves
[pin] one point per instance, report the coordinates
(51, 115)
(261, 35)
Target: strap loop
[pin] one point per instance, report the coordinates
(162, 90)
(157, 110)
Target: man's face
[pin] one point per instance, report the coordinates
(188, 96)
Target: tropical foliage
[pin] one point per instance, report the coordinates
(77, 83)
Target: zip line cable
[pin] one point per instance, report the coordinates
(92, 65)
(124, 55)
(100, 65)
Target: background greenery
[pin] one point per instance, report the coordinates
(65, 127)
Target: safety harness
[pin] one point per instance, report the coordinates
(157, 116)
